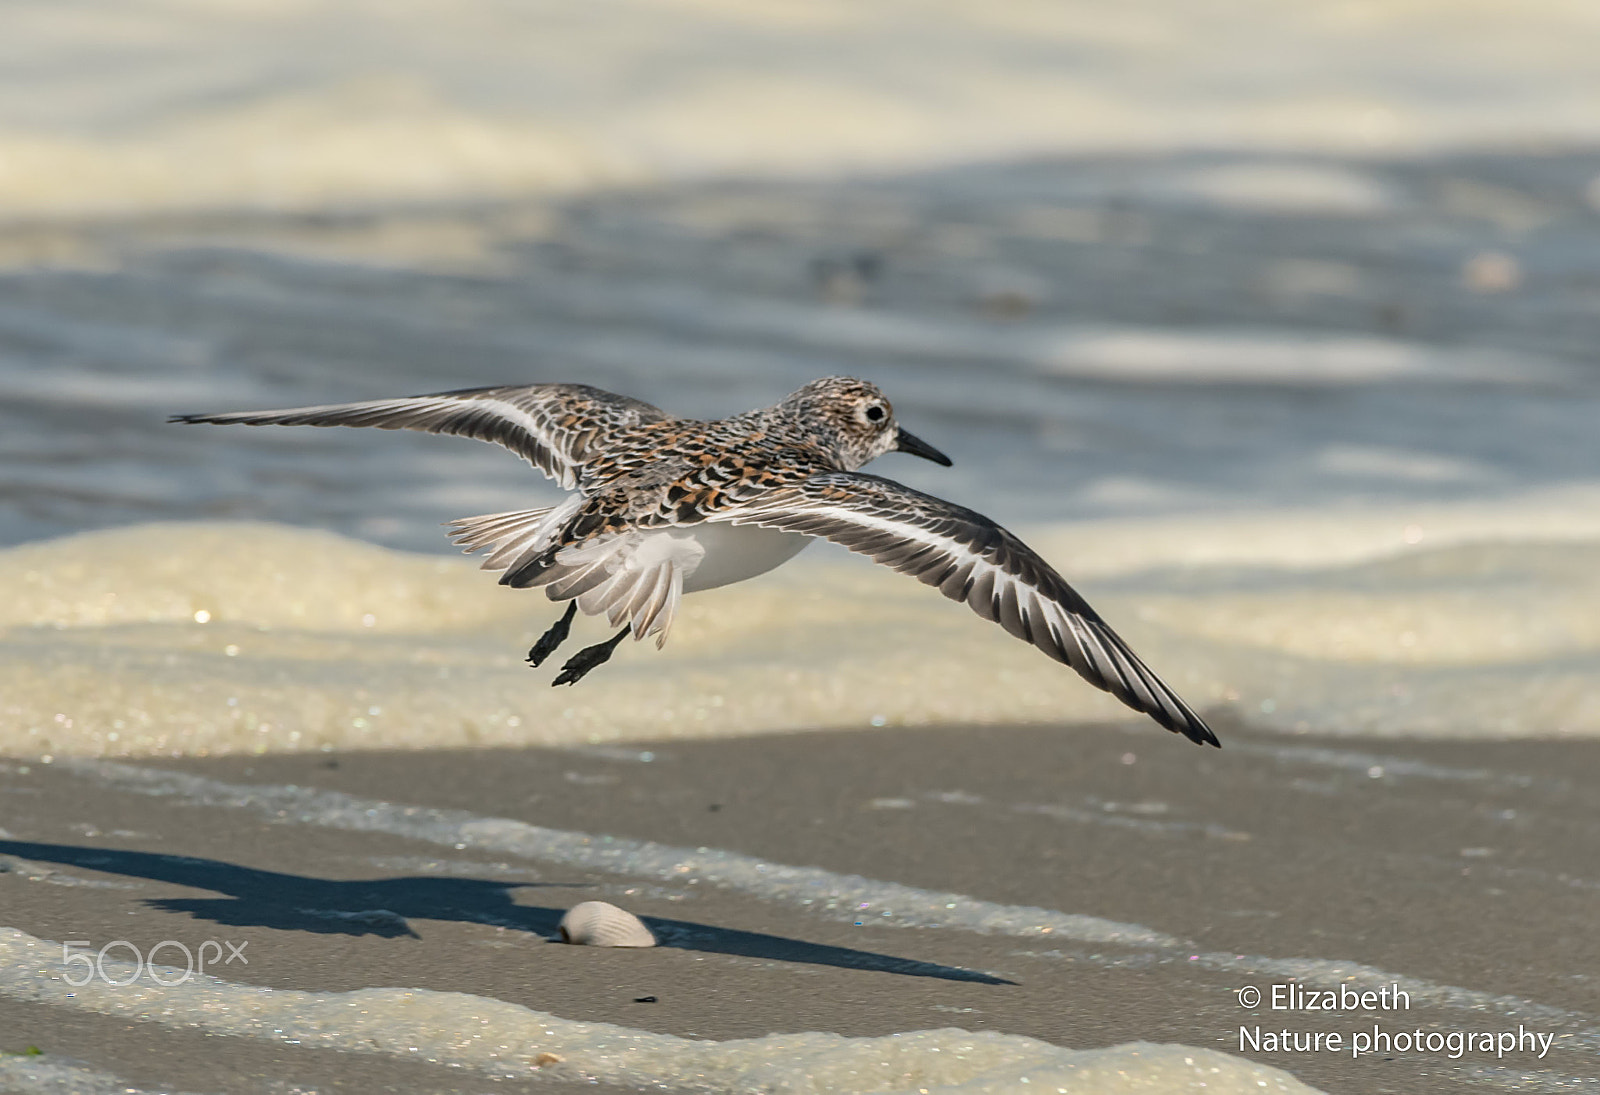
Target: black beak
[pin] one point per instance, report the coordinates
(916, 446)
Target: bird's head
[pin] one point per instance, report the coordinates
(854, 422)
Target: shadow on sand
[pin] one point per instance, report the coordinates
(385, 906)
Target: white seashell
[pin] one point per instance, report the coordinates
(601, 924)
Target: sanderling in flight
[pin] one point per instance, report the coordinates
(663, 506)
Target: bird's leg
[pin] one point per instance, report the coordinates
(589, 657)
(553, 638)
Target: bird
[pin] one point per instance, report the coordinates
(662, 505)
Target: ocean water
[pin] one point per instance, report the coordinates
(1273, 327)
(1328, 465)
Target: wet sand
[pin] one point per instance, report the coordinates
(1465, 869)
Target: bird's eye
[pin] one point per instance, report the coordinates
(875, 413)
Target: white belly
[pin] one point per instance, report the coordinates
(736, 552)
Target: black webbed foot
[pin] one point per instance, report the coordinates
(589, 657)
(553, 638)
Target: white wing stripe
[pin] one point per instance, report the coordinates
(485, 417)
(974, 568)
(565, 473)
(568, 477)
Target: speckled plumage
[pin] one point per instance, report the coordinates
(666, 505)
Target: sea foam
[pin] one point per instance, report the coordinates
(1450, 620)
(500, 1038)
(257, 106)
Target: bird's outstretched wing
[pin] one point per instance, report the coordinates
(555, 427)
(972, 559)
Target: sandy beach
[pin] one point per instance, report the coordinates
(1460, 872)
(1272, 327)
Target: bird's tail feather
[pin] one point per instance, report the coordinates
(516, 537)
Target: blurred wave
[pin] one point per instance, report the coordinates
(129, 107)
(1081, 342)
